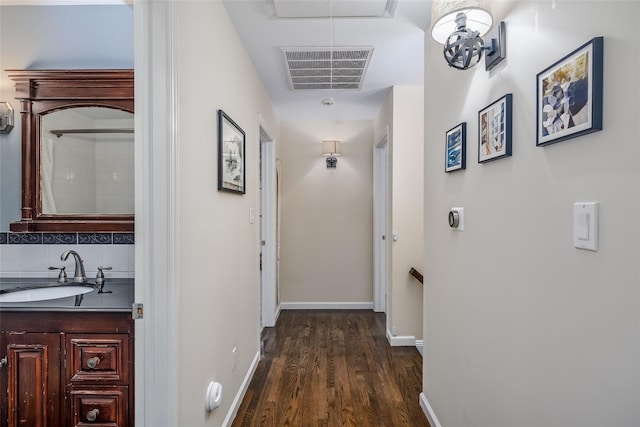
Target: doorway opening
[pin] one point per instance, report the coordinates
(269, 300)
(380, 222)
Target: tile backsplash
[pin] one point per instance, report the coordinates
(30, 254)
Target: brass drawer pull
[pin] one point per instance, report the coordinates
(92, 415)
(93, 362)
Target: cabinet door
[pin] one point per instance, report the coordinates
(30, 380)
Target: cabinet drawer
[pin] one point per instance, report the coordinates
(98, 358)
(97, 407)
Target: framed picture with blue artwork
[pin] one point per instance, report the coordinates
(569, 95)
(456, 147)
(494, 130)
(231, 158)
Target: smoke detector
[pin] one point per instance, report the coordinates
(328, 101)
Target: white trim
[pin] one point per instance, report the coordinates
(157, 203)
(420, 347)
(380, 221)
(278, 311)
(401, 341)
(428, 411)
(268, 281)
(237, 401)
(365, 305)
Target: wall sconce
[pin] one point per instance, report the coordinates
(331, 149)
(463, 46)
(6, 117)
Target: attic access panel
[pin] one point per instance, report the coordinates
(326, 68)
(336, 9)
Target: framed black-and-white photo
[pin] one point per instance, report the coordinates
(569, 95)
(494, 130)
(231, 158)
(456, 147)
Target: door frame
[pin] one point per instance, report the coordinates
(157, 213)
(269, 307)
(381, 175)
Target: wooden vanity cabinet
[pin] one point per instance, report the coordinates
(30, 387)
(66, 369)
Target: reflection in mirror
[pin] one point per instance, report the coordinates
(87, 161)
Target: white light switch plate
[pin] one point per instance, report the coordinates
(585, 225)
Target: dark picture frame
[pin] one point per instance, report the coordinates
(455, 148)
(495, 129)
(231, 155)
(569, 95)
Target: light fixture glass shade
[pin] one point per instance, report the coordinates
(331, 148)
(443, 17)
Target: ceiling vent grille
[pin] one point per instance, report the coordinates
(326, 68)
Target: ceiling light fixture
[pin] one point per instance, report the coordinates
(464, 46)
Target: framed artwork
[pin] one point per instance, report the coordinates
(494, 130)
(456, 147)
(569, 95)
(231, 158)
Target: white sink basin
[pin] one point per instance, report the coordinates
(41, 293)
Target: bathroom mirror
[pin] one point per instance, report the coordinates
(86, 161)
(77, 150)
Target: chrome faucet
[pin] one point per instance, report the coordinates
(79, 274)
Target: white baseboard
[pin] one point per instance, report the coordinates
(420, 346)
(401, 341)
(428, 411)
(237, 401)
(365, 305)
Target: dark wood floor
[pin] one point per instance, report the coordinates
(333, 368)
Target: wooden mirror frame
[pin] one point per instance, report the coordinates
(44, 91)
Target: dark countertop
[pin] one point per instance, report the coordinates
(120, 297)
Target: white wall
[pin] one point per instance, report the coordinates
(327, 214)
(407, 168)
(520, 327)
(402, 114)
(218, 252)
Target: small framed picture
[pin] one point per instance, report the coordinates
(456, 148)
(569, 95)
(494, 130)
(231, 158)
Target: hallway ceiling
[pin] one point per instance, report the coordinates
(396, 33)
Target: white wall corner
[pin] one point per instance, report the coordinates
(237, 401)
(428, 411)
(401, 341)
(420, 347)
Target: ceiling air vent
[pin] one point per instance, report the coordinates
(326, 68)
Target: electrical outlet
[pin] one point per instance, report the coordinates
(394, 331)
